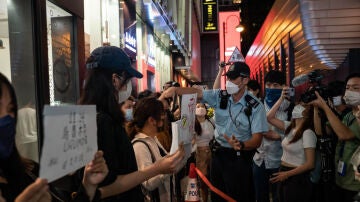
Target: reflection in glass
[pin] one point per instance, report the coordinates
(17, 64)
(61, 52)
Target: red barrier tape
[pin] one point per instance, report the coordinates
(214, 189)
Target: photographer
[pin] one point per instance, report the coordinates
(348, 133)
(323, 175)
(240, 116)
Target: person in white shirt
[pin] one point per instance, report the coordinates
(204, 128)
(148, 120)
(298, 157)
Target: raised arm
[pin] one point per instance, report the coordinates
(217, 81)
(126, 182)
(271, 114)
(341, 130)
(170, 92)
(317, 121)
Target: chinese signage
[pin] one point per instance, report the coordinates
(210, 15)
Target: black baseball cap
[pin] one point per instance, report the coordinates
(238, 69)
(112, 58)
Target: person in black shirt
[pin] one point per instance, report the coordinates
(108, 83)
(18, 176)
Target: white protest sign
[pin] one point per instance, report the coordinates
(177, 138)
(188, 107)
(183, 129)
(70, 139)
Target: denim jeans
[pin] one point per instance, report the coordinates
(261, 176)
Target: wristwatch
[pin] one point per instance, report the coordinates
(242, 145)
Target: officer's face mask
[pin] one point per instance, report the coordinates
(7, 136)
(231, 87)
(297, 112)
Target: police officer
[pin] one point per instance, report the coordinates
(240, 121)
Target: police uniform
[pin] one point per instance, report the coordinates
(231, 171)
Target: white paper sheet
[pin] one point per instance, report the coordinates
(70, 139)
(183, 129)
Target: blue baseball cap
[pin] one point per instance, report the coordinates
(112, 58)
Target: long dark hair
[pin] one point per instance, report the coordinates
(100, 91)
(145, 108)
(308, 114)
(13, 169)
(197, 127)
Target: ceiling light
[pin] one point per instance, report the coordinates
(239, 28)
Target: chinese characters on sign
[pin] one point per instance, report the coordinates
(70, 140)
(210, 16)
(183, 129)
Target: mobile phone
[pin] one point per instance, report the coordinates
(291, 92)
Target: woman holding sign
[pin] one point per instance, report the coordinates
(18, 176)
(107, 84)
(149, 120)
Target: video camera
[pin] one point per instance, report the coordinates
(315, 78)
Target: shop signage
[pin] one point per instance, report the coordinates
(130, 42)
(209, 16)
(130, 38)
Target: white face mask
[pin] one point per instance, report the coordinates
(200, 111)
(124, 95)
(231, 87)
(297, 112)
(337, 101)
(352, 98)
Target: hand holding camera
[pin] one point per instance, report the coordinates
(223, 64)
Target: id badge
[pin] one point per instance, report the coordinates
(341, 168)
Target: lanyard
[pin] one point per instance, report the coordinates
(237, 115)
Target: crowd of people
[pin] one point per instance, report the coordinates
(280, 147)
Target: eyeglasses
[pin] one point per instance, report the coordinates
(123, 79)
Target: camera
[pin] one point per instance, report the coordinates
(224, 97)
(315, 78)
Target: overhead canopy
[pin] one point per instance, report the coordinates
(321, 31)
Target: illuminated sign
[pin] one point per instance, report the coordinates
(130, 42)
(209, 16)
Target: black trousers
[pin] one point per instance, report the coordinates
(296, 188)
(232, 174)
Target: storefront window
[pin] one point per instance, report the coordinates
(17, 64)
(63, 82)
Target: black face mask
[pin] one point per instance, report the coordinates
(7, 136)
(170, 116)
(160, 129)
